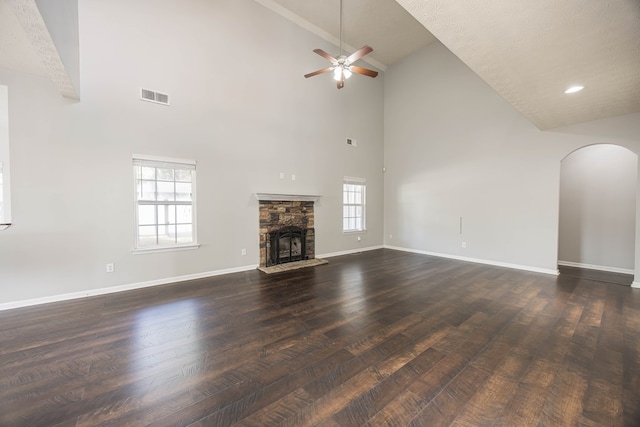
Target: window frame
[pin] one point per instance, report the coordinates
(167, 163)
(363, 205)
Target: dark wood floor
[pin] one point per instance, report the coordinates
(597, 275)
(383, 338)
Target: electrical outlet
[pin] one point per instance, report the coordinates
(359, 238)
(293, 177)
(281, 175)
(464, 244)
(244, 252)
(110, 268)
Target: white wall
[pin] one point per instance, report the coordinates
(454, 148)
(239, 106)
(598, 207)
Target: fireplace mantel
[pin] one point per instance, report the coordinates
(272, 197)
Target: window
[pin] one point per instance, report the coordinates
(165, 203)
(353, 204)
(5, 196)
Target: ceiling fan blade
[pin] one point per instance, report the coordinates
(365, 50)
(315, 73)
(325, 55)
(364, 71)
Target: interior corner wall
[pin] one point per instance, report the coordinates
(239, 106)
(463, 166)
(5, 160)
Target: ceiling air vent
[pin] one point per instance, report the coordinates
(151, 96)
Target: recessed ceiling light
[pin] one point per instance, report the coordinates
(574, 89)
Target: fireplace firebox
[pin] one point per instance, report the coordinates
(287, 244)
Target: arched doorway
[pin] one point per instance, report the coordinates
(598, 187)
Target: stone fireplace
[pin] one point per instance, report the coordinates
(287, 231)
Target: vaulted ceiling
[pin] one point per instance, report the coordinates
(27, 45)
(528, 52)
(16, 52)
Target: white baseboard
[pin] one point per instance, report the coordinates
(635, 284)
(122, 288)
(158, 282)
(478, 261)
(350, 251)
(596, 267)
(176, 279)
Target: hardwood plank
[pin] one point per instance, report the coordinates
(383, 338)
(523, 408)
(397, 374)
(487, 403)
(597, 275)
(631, 360)
(399, 412)
(446, 406)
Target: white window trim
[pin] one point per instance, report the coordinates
(357, 181)
(188, 247)
(167, 248)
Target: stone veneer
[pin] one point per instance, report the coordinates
(275, 214)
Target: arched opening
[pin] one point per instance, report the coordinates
(596, 236)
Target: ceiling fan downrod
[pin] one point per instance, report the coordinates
(342, 66)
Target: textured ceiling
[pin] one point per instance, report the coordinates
(16, 52)
(531, 51)
(527, 51)
(26, 45)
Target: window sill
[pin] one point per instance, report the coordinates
(354, 231)
(165, 249)
(4, 226)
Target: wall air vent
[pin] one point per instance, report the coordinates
(151, 96)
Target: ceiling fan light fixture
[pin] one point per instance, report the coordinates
(337, 73)
(342, 66)
(341, 72)
(574, 89)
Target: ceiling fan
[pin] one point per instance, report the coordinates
(342, 66)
